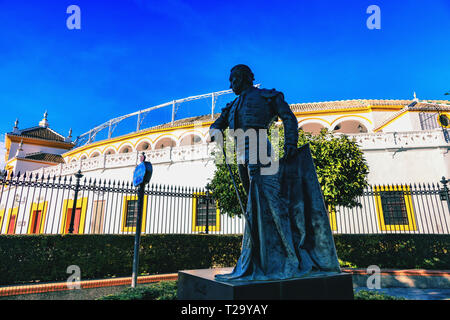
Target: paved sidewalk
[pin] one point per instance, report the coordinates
(59, 289)
(414, 293)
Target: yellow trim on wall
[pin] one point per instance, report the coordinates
(103, 145)
(41, 206)
(411, 226)
(92, 152)
(196, 228)
(111, 141)
(125, 143)
(349, 116)
(390, 121)
(367, 109)
(143, 139)
(110, 147)
(68, 204)
(193, 131)
(166, 135)
(37, 142)
(319, 119)
(31, 160)
(123, 226)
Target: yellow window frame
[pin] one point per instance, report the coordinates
(439, 120)
(196, 228)
(42, 206)
(411, 226)
(68, 204)
(332, 218)
(2, 215)
(123, 226)
(11, 212)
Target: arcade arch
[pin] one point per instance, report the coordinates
(350, 127)
(191, 139)
(312, 127)
(143, 146)
(126, 149)
(165, 142)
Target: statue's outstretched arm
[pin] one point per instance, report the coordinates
(290, 124)
(220, 124)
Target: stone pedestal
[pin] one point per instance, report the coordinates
(201, 285)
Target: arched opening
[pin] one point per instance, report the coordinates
(190, 139)
(126, 149)
(95, 154)
(143, 146)
(83, 157)
(165, 142)
(313, 128)
(110, 151)
(350, 127)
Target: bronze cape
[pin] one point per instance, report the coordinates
(289, 223)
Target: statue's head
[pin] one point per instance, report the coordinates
(241, 77)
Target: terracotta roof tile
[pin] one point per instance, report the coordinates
(47, 157)
(326, 105)
(40, 133)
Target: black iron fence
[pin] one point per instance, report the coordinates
(48, 205)
(406, 208)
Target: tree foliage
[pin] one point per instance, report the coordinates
(341, 170)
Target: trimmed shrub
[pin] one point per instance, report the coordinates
(394, 251)
(374, 295)
(45, 258)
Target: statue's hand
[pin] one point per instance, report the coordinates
(290, 151)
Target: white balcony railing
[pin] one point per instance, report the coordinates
(160, 156)
(400, 140)
(390, 141)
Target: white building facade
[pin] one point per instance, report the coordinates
(405, 142)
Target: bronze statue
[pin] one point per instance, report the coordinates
(287, 234)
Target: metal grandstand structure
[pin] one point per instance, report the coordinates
(89, 137)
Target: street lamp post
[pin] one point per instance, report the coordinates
(78, 176)
(141, 176)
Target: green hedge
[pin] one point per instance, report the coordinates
(395, 251)
(45, 258)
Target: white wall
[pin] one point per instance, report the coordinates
(189, 173)
(26, 166)
(411, 166)
(32, 148)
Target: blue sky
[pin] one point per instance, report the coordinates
(134, 54)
